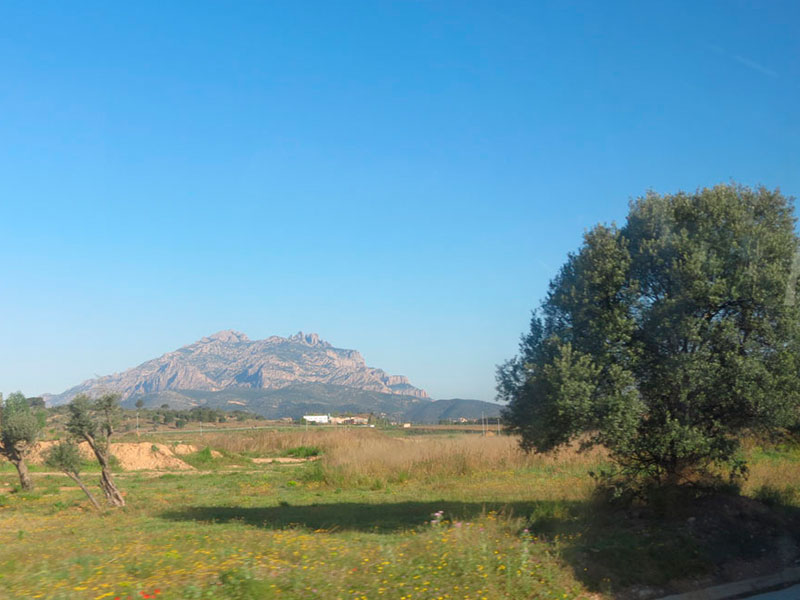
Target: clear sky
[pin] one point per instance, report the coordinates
(403, 178)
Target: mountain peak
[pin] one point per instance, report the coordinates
(309, 339)
(228, 336)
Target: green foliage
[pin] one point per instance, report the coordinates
(204, 455)
(81, 423)
(668, 339)
(208, 459)
(303, 451)
(314, 473)
(20, 424)
(65, 457)
(95, 419)
(36, 403)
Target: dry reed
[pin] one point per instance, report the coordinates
(369, 456)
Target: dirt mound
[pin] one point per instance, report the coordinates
(184, 449)
(142, 456)
(38, 453)
(135, 456)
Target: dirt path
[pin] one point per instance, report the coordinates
(284, 460)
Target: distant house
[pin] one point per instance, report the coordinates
(353, 420)
(324, 419)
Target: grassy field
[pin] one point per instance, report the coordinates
(376, 515)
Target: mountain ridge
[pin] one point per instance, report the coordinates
(229, 359)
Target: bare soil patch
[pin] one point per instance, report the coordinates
(132, 456)
(143, 455)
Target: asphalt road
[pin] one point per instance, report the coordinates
(790, 593)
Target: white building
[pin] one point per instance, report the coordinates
(317, 418)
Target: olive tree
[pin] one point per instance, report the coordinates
(668, 339)
(66, 457)
(93, 421)
(20, 427)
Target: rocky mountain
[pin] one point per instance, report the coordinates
(229, 361)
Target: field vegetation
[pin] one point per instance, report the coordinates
(365, 513)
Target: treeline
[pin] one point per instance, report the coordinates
(172, 417)
(198, 414)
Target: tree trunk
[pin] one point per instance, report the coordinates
(86, 491)
(106, 480)
(24, 478)
(109, 489)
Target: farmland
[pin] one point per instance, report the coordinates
(365, 513)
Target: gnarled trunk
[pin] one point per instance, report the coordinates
(106, 480)
(24, 477)
(16, 455)
(109, 489)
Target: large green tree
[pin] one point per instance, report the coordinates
(668, 339)
(20, 427)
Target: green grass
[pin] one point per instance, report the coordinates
(303, 451)
(524, 529)
(205, 460)
(241, 535)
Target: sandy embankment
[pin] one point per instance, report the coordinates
(132, 456)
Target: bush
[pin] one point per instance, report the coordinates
(303, 451)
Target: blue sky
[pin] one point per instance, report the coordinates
(403, 178)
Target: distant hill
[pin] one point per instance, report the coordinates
(453, 409)
(275, 377)
(292, 401)
(302, 399)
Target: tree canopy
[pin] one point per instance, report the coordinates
(20, 426)
(668, 339)
(19, 422)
